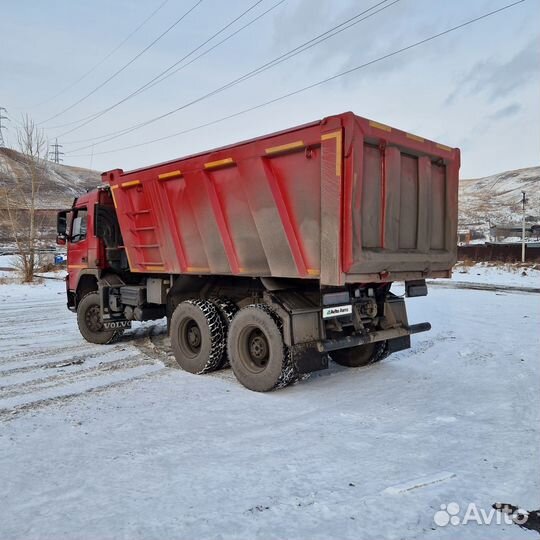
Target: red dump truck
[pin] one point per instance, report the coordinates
(270, 255)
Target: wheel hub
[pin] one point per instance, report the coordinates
(193, 334)
(93, 320)
(258, 348)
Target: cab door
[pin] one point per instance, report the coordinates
(77, 253)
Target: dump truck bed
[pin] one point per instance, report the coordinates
(344, 199)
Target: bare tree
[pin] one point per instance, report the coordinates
(20, 196)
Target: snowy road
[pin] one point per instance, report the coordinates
(108, 442)
(42, 357)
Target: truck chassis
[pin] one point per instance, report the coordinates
(269, 331)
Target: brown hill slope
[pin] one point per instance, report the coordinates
(496, 199)
(61, 183)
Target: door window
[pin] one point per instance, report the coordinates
(79, 225)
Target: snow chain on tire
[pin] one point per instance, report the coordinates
(217, 333)
(289, 374)
(382, 353)
(227, 309)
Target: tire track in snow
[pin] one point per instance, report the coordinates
(48, 376)
(44, 360)
(42, 385)
(159, 346)
(10, 407)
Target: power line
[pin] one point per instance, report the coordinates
(271, 8)
(163, 75)
(313, 85)
(55, 153)
(268, 65)
(118, 71)
(2, 127)
(105, 58)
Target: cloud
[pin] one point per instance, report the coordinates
(497, 79)
(506, 112)
(303, 21)
(488, 123)
(362, 39)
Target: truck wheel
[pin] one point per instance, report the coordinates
(259, 358)
(227, 309)
(363, 355)
(197, 336)
(90, 322)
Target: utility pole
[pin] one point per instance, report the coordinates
(55, 153)
(2, 117)
(523, 200)
(92, 156)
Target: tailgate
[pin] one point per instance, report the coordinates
(401, 215)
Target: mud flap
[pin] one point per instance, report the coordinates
(398, 344)
(307, 358)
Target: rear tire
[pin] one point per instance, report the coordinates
(197, 336)
(227, 309)
(90, 322)
(259, 358)
(360, 356)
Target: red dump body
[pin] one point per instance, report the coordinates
(344, 199)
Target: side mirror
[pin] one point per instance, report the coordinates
(61, 239)
(61, 224)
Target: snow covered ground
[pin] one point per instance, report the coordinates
(6, 265)
(110, 441)
(512, 275)
(8, 271)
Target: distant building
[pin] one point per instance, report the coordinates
(512, 230)
(467, 235)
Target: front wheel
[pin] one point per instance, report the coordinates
(90, 321)
(360, 356)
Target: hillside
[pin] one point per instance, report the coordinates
(497, 198)
(60, 185)
(61, 182)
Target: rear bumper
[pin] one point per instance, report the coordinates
(346, 342)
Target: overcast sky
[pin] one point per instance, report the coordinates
(477, 88)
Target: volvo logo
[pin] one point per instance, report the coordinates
(113, 325)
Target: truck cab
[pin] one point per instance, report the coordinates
(90, 232)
